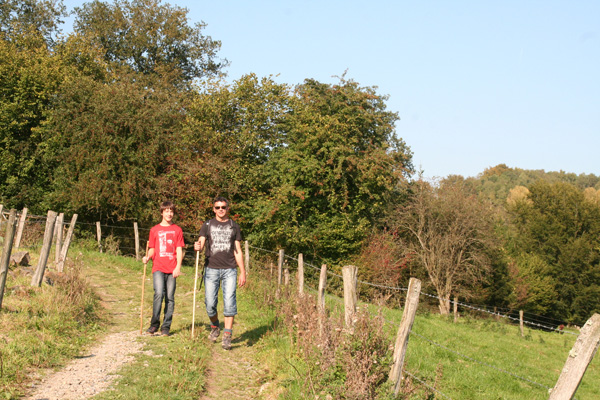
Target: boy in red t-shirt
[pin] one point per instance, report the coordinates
(166, 252)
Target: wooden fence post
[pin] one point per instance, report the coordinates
(455, 309)
(579, 358)
(99, 235)
(350, 275)
(21, 227)
(8, 244)
(408, 317)
(58, 232)
(322, 286)
(38, 276)
(286, 276)
(521, 323)
(280, 267)
(300, 274)
(247, 257)
(137, 241)
(65, 249)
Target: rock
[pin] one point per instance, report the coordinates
(21, 258)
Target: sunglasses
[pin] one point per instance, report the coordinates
(220, 207)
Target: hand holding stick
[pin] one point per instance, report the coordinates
(143, 284)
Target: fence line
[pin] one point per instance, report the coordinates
(462, 304)
(488, 365)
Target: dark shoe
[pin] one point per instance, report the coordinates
(214, 333)
(226, 343)
(152, 330)
(164, 332)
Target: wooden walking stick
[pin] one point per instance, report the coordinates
(143, 284)
(194, 302)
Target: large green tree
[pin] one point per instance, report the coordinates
(335, 175)
(151, 37)
(561, 228)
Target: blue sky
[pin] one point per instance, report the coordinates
(475, 83)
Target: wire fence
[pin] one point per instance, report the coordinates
(121, 240)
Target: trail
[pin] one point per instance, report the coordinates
(95, 370)
(91, 373)
(235, 374)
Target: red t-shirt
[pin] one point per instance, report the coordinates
(165, 240)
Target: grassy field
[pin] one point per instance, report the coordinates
(471, 359)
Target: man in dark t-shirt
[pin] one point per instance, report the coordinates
(222, 238)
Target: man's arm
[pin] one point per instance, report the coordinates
(239, 259)
(199, 245)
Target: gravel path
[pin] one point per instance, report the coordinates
(92, 373)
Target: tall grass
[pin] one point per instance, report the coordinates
(44, 327)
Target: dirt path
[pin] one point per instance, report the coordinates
(95, 370)
(235, 374)
(92, 373)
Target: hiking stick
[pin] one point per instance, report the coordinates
(194, 306)
(143, 284)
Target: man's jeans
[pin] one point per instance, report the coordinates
(213, 278)
(164, 288)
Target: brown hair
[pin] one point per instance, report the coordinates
(167, 205)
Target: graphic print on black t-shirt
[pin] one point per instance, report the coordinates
(220, 238)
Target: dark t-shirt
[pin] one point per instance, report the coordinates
(220, 243)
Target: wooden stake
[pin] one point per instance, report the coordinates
(65, 248)
(406, 323)
(580, 356)
(143, 284)
(58, 232)
(99, 235)
(247, 257)
(38, 277)
(521, 323)
(194, 302)
(21, 227)
(350, 275)
(136, 234)
(8, 244)
(300, 274)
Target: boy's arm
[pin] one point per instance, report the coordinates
(148, 256)
(177, 270)
(239, 259)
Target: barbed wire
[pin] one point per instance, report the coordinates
(404, 289)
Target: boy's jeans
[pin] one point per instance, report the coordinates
(164, 288)
(212, 279)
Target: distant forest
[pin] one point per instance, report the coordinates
(133, 108)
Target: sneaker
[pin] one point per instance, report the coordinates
(164, 332)
(152, 330)
(226, 343)
(214, 333)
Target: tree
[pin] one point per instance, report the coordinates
(108, 144)
(26, 17)
(558, 225)
(31, 75)
(337, 172)
(232, 131)
(150, 37)
(449, 232)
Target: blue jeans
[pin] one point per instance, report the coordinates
(213, 278)
(164, 288)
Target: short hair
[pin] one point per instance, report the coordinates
(166, 205)
(221, 199)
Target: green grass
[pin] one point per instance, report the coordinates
(38, 334)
